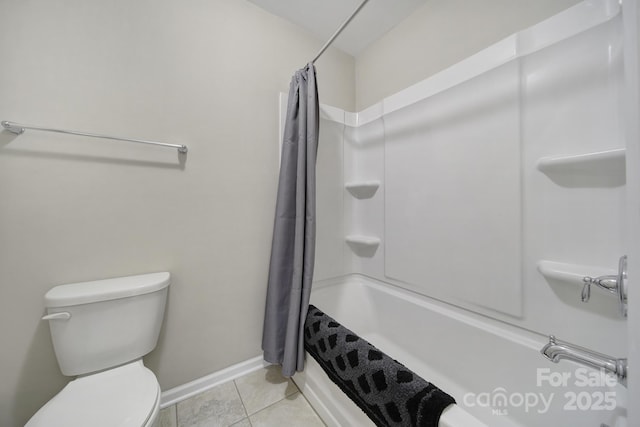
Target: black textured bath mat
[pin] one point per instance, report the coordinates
(388, 392)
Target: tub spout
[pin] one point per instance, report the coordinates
(556, 350)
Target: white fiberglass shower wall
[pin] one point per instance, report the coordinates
(493, 188)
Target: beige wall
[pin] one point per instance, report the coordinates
(203, 72)
(436, 36)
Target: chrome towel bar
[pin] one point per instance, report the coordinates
(19, 129)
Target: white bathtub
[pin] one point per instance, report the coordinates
(479, 361)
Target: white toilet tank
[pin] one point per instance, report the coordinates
(105, 323)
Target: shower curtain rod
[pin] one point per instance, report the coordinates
(338, 31)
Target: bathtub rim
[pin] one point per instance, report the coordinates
(516, 334)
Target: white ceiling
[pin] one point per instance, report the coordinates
(323, 17)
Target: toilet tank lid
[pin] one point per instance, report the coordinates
(105, 290)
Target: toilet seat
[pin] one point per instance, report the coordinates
(126, 396)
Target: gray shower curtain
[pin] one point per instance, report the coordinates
(294, 230)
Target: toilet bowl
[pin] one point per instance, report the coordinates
(100, 331)
(127, 396)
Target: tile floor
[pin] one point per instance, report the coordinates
(260, 399)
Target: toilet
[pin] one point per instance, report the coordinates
(100, 331)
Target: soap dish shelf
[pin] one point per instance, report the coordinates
(365, 241)
(608, 162)
(363, 246)
(363, 189)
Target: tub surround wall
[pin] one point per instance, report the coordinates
(329, 183)
(463, 214)
(452, 162)
(74, 209)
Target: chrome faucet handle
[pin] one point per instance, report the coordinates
(609, 283)
(586, 289)
(622, 285)
(615, 284)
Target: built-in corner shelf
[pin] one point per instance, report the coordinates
(609, 162)
(364, 246)
(573, 274)
(369, 241)
(363, 189)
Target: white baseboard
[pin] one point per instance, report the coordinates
(185, 391)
